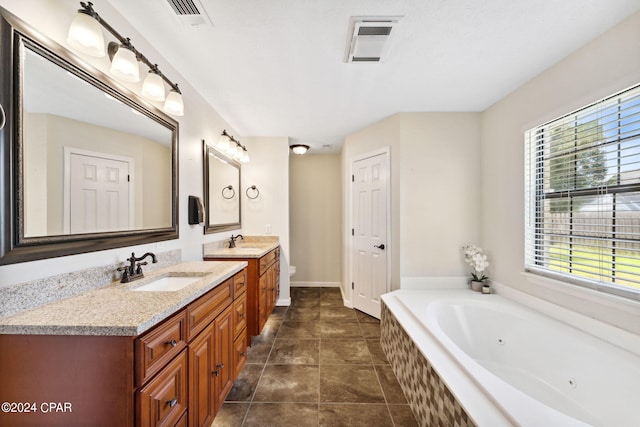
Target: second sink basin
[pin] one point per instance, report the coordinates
(168, 284)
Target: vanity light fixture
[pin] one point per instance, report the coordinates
(153, 85)
(173, 104)
(124, 64)
(299, 148)
(232, 147)
(85, 35)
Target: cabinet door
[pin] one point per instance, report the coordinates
(223, 362)
(201, 378)
(240, 353)
(239, 314)
(263, 288)
(164, 399)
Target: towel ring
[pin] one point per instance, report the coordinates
(254, 188)
(229, 188)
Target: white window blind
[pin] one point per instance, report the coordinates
(582, 196)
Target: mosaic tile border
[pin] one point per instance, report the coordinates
(431, 401)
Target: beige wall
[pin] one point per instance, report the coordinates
(439, 192)
(151, 173)
(434, 190)
(315, 216)
(608, 64)
(268, 214)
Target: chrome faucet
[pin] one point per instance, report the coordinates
(232, 240)
(134, 270)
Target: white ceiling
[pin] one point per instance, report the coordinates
(276, 67)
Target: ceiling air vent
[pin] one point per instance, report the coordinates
(369, 38)
(190, 13)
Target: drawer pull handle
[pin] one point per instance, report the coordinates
(172, 343)
(172, 402)
(217, 371)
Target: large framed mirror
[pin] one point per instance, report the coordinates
(87, 165)
(221, 191)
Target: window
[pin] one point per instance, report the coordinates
(582, 196)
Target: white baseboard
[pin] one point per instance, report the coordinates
(283, 302)
(314, 284)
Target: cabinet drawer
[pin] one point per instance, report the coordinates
(156, 347)
(267, 260)
(239, 314)
(240, 283)
(163, 400)
(201, 312)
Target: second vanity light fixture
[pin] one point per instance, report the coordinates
(232, 147)
(85, 35)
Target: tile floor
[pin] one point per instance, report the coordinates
(316, 363)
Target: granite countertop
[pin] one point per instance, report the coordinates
(117, 309)
(249, 247)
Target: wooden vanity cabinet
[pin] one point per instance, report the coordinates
(178, 373)
(262, 288)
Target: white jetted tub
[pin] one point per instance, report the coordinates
(509, 365)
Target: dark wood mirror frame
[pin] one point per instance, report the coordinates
(210, 227)
(14, 247)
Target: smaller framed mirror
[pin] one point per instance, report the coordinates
(221, 191)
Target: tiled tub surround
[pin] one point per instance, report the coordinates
(431, 401)
(117, 310)
(507, 364)
(27, 295)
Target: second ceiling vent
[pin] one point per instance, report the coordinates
(370, 38)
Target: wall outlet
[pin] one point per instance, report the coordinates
(268, 229)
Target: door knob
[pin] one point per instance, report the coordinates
(380, 246)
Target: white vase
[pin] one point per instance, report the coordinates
(476, 286)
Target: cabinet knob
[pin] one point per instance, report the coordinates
(241, 314)
(218, 367)
(243, 353)
(172, 343)
(172, 402)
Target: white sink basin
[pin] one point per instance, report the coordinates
(168, 284)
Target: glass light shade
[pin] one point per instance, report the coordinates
(153, 87)
(232, 150)
(124, 65)
(173, 104)
(238, 154)
(85, 35)
(299, 148)
(245, 156)
(223, 143)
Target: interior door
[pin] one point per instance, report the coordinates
(370, 224)
(99, 194)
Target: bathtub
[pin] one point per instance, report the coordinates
(506, 364)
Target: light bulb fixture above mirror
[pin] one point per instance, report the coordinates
(232, 147)
(299, 148)
(85, 35)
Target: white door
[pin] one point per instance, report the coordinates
(370, 223)
(98, 194)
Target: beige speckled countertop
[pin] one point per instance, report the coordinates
(117, 309)
(250, 247)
